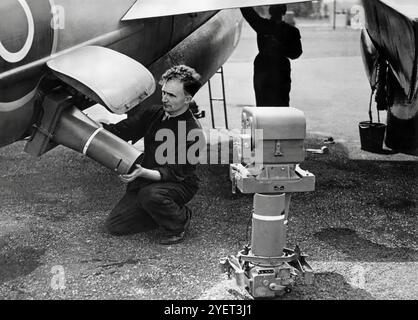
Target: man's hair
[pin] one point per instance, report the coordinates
(187, 75)
(278, 10)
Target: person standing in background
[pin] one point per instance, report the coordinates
(277, 42)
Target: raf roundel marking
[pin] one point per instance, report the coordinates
(14, 57)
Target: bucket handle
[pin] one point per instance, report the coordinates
(370, 106)
(373, 88)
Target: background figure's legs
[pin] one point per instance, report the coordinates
(271, 85)
(262, 92)
(268, 92)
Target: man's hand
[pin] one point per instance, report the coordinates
(141, 172)
(138, 172)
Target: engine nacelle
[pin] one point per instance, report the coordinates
(108, 77)
(62, 123)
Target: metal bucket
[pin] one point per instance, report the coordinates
(372, 135)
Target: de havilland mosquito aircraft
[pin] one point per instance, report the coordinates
(59, 57)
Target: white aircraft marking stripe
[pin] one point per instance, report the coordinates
(10, 106)
(55, 29)
(86, 147)
(268, 218)
(13, 57)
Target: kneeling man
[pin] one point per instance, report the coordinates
(164, 181)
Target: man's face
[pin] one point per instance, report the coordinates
(174, 98)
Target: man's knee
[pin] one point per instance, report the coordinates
(124, 229)
(117, 223)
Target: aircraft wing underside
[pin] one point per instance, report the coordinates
(393, 26)
(152, 8)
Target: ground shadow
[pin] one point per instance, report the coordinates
(359, 249)
(381, 151)
(327, 286)
(18, 262)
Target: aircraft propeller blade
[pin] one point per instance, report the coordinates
(157, 8)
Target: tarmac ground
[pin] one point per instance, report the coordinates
(358, 226)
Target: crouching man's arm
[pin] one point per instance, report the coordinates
(140, 172)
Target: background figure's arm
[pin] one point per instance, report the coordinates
(289, 41)
(294, 44)
(259, 24)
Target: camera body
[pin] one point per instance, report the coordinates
(273, 135)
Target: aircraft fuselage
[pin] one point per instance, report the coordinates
(33, 32)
